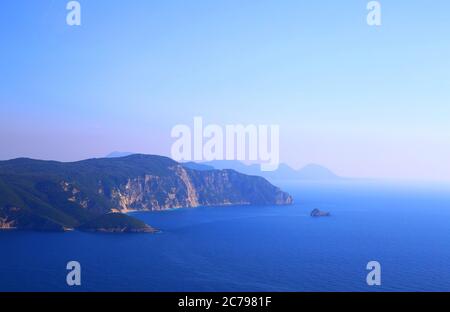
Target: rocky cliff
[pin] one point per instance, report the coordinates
(56, 196)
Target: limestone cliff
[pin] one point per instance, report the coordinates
(52, 195)
(190, 188)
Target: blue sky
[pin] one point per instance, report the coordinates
(364, 101)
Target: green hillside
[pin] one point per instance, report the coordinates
(49, 195)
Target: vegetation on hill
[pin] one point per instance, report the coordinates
(49, 195)
(116, 223)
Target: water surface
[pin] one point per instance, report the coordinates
(263, 248)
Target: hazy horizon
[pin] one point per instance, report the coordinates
(341, 177)
(369, 102)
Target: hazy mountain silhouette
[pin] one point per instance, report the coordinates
(284, 171)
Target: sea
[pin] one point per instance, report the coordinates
(405, 227)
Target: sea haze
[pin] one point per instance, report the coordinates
(258, 248)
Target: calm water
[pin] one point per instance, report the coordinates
(405, 228)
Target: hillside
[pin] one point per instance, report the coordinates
(49, 195)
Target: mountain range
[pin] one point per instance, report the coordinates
(93, 194)
(283, 173)
(311, 172)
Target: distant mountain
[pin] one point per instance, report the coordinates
(50, 195)
(316, 172)
(284, 172)
(119, 154)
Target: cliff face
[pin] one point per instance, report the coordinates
(190, 188)
(150, 192)
(52, 195)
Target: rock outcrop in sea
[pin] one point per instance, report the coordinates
(319, 213)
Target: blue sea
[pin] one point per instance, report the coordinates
(405, 227)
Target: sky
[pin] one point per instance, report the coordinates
(363, 101)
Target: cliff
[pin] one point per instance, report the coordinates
(48, 195)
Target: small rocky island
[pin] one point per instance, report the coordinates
(318, 213)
